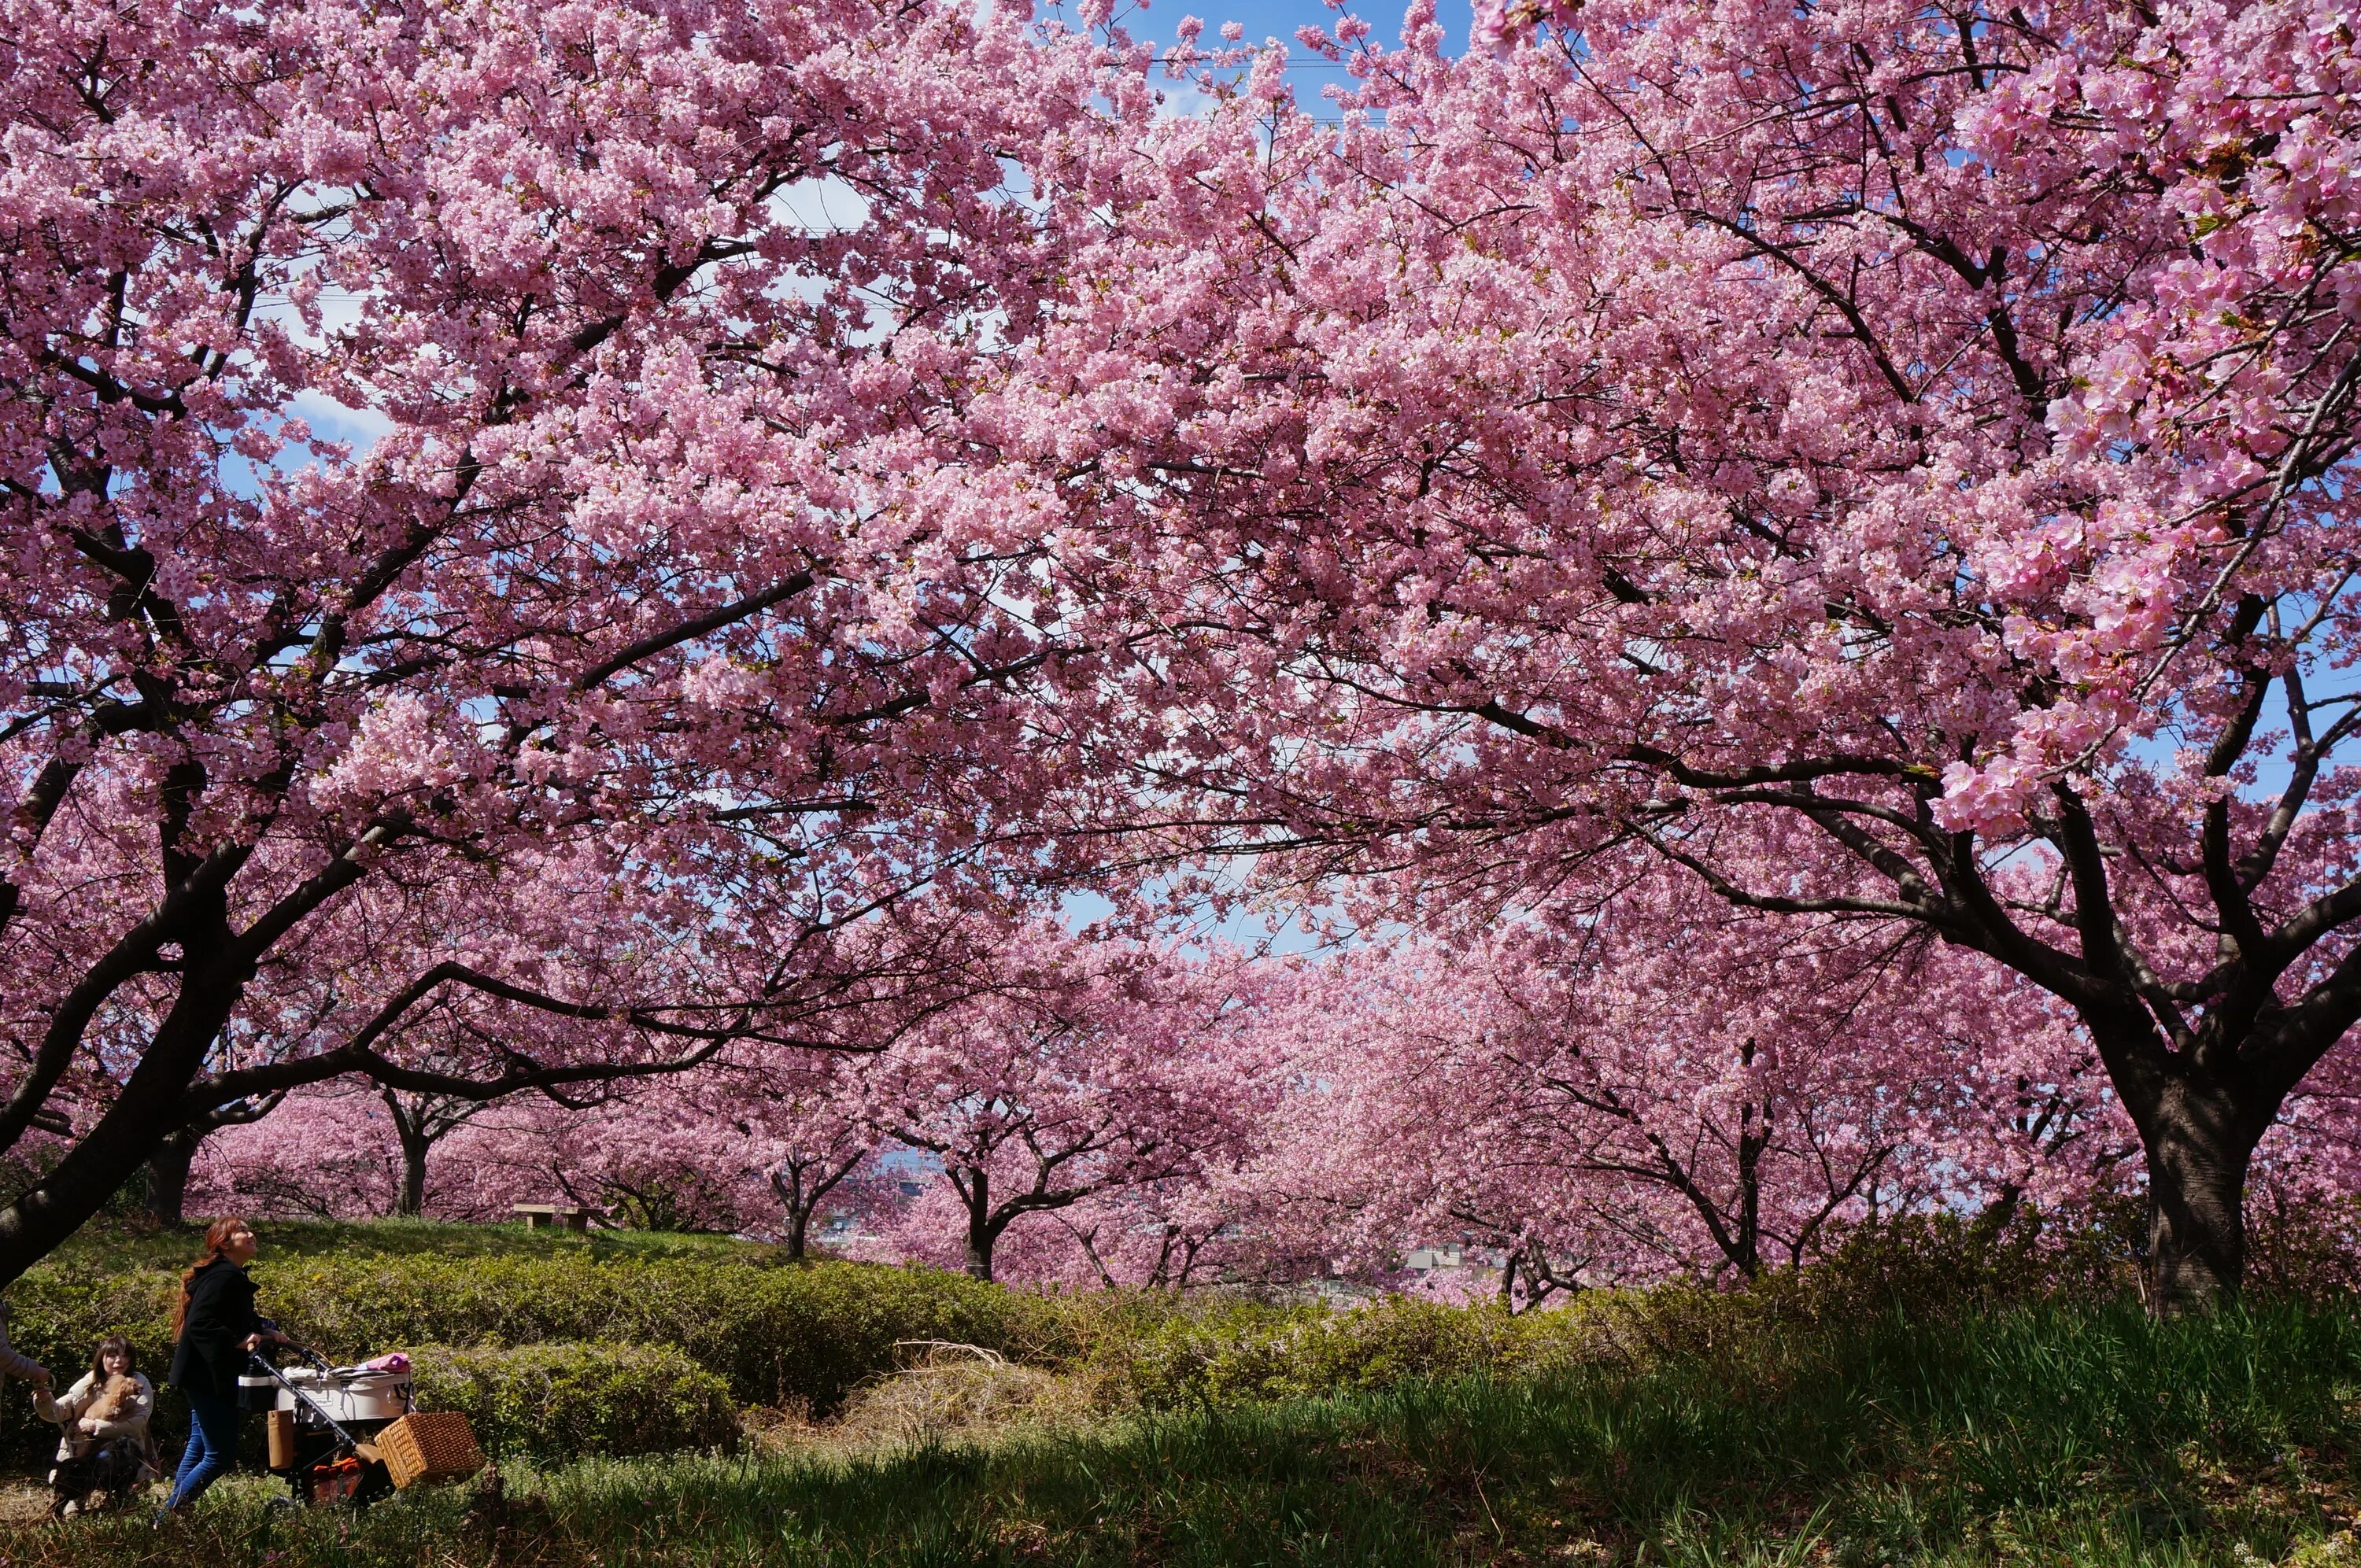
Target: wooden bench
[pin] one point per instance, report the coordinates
(560, 1216)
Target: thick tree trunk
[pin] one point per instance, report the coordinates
(168, 1176)
(2200, 1110)
(2199, 1145)
(798, 1229)
(980, 1231)
(411, 1201)
(789, 1186)
(152, 1106)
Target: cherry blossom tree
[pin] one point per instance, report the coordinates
(324, 1153)
(1890, 461)
(769, 1152)
(513, 453)
(419, 1122)
(819, 1152)
(1094, 1067)
(1560, 1094)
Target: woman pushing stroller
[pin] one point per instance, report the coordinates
(215, 1328)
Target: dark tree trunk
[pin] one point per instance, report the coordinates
(2199, 1142)
(982, 1233)
(411, 1201)
(788, 1183)
(415, 1135)
(152, 1106)
(798, 1235)
(1754, 1137)
(168, 1176)
(2199, 1110)
(801, 1186)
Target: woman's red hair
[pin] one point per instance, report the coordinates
(218, 1236)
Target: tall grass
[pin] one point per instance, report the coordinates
(2036, 1434)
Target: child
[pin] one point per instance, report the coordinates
(106, 1445)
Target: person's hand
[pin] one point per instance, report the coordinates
(89, 1427)
(41, 1379)
(256, 1342)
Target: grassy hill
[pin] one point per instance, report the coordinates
(108, 1248)
(1848, 1418)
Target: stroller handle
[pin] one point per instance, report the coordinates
(263, 1366)
(310, 1357)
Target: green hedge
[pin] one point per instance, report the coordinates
(777, 1334)
(560, 1400)
(1246, 1350)
(774, 1334)
(1931, 1271)
(59, 1319)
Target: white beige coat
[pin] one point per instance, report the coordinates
(67, 1408)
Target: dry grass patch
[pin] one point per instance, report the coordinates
(946, 1391)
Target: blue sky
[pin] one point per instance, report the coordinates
(1279, 19)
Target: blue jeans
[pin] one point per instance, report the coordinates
(212, 1446)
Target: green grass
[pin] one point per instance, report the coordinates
(115, 1248)
(2036, 1435)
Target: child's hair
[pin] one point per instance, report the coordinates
(218, 1236)
(98, 1356)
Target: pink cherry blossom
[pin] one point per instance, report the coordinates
(1889, 470)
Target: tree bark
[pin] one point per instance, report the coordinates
(982, 1233)
(152, 1106)
(788, 1183)
(411, 1201)
(168, 1176)
(799, 1226)
(802, 1199)
(2199, 1142)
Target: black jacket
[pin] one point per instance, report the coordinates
(211, 1352)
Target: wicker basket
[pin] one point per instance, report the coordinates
(429, 1446)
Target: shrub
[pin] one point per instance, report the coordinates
(2302, 1247)
(774, 1334)
(1248, 1350)
(60, 1317)
(576, 1398)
